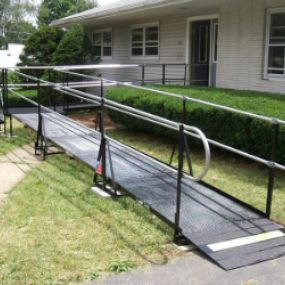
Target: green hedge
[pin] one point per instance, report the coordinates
(16, 101)
(251, 135)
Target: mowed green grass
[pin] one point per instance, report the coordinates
(21, 137)
(267, 104)
(54, 230)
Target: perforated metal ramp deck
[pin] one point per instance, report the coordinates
(207, 217)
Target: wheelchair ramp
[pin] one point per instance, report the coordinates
(230, 233)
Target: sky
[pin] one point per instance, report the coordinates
(100, 2)
(105, 2)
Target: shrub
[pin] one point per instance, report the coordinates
(74, 48)
(248, 134)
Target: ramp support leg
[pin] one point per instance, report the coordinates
(172, 154)
(102, 155)
(40, 144)
(270, 189)
(177, 232)
(11, 125)
(5, 98)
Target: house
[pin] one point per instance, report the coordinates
(11, 56)
(237, 44)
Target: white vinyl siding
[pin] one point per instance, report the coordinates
(172, 49)
(242, 46)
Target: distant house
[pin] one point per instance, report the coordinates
(11, 56)
(236, 44)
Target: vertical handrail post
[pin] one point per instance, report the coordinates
(163, 74)
(39, 131)
(49, 88)
(54, 79)
(188, 155)
(67, 96)
(184, 100)
(271, 180)
(4, 98)
(179, 181)
(185, 74)
(103, 135)
(143, 74)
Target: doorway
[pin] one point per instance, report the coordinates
(203, 52)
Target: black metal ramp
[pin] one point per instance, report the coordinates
(230, 233)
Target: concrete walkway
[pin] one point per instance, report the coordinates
(14, 167)
(193, 269)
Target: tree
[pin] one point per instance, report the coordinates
(13, 20)
(49, 45)
(74, 48)
(51, 10)
(40, 46)
(18, 32)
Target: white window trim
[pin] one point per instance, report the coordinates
(267, 75)
(144, 26)
(101, 31)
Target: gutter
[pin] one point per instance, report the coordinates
(123, 10)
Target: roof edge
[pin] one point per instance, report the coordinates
(113, 10)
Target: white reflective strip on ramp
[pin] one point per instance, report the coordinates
(245, 241)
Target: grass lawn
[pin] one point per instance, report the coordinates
(22, 136)
(267, 104)
(53, 230)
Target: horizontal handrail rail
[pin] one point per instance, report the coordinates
(64, 118)
(244, 154)
(68, 88)
(93, 99)
(153, 119)
(140, 115)
(268, 163)
(202, 102)
(74, 67)
(183, 97)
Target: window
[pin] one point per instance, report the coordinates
(102, 42)
(145, 40)
(275, 44)
(138, 42)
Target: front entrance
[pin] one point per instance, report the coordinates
(203, 52)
